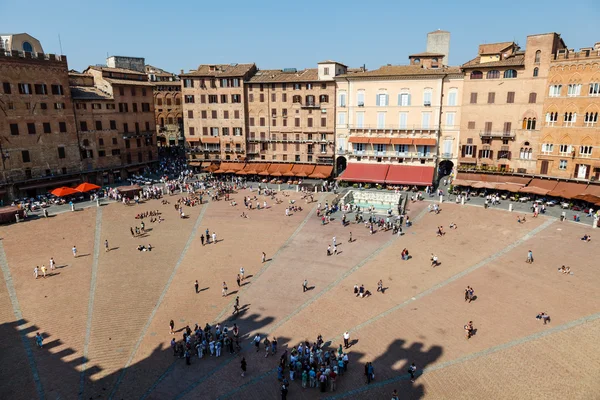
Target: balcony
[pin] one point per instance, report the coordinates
(239, 150)
(408, 129)
(210, 149)
(497, 135)
(310, 105)
(398, 154)
(447, 155)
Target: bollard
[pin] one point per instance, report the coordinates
(595, 223)
(462, 200)
(297, 188)
(97, 202)
(279, 188)
(17, 218)
(510, 207)
(441, 198)
(316, 189)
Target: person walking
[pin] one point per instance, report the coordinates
(52, 264)
(346, 339)
(197, 286)
(350, 239)
(334, 241)
(242, 273)
(380, 286)
(395, 395)
(224, 290)
(214, 238)
(36, 271)
(207, 236)
(411, 371)
(434, 260)
(335, 249)
(264, 257)
(187, 357)
(106, 245)
(238, 280)
(236, 305)
(305, 285)
(202, 239)
(529, 257)
(39, 340)
(267, 344)
(43, 271)
(172, 327)
(257, 342)
(74, 249)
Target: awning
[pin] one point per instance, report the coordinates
(364, 172)
(276, 169)
(194, 163)
(265, 172)
(593, 190)
(254, 168)
(425, 142)
(234, 168)
(211, 139)
(520, 180)
(358, 139)
(483, 185)
(402, 141)
(567, 190)
(539, 186)
(409, 175)
(322, 172)
(304, 170)
(462, 182)
(192, 139)
(379, 140)
(511, 187)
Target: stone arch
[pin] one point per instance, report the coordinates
(548, 139)
(572, 107)
(565, 139)
(575, 78)
(556, 79)
(587, 141)
(592, 107)
(530, 114)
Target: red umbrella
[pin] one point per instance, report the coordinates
(86, 187)
(63, 191)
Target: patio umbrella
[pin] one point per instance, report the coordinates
(63, 191)
(87, 187)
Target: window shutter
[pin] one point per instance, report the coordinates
(462, 150)
(377, 99)
(387, 99)
(480, 154)
(408, 99)
(491, 154)
(587, 172)
(400, 99)
(576, 171)
(474, 150)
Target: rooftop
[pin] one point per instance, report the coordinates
(117, 70)
(331, 62)
(129, 82)
(277, 75)
(402, 70)
(427, 54)
(494, 48)
(221, 70)
(515, 60)
(88, 93)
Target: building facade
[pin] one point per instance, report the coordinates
(38, 137)
(214, 111)
(167, 106)
(395, 124)
(291, 114)
(570, 137)
(502, 107)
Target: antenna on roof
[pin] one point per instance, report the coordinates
(60, 44)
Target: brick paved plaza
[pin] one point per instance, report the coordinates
(105, 315)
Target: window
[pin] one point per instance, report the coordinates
(251, 121)
(237, 132)
(562, 165)
(25, 156)
(555, 90)
(101, 153)
(493, 74)
(476, 75)
(536, 72)
(594, 89)
(468, 150)
(145, 107)
(570, 118)
(474, 98)
(551, 118)
(532, 98)
(40, 89)
(323, 148)
(110, 106)
(261, 121)
(273, 97)
(297, 122)
(547, 148)
(98, 125)
(360, 98)
(380, 120)
(510, 73)
(487, 127)
(452, 98)
(425, 120)
(214, 131)
(427, 97)
(491, 97)
(43, 106)
(62, 127)
(125, 127)
(31, 128)
(57, 89)
(590, 118)
(471, 125)
(123, 107)
(309, 86)
(213, 99)
(297, 99)
(360, 119)
(188, 83)
(537, 56)
(225, 114)
(310, 100)
(529, 124)
(236, 98)
(342, 100)
(507, 127)
(323, 122)
(404, 99)
(525, 153)
(585, 151)
(213, 114)
(6, 86)
(225, 131)
(203, 114)
(96, 106)
(309, 122)
(382, 100)
(326, 71)
(133, 93)
(134, 106)
(61, 152)
(574, 90)
(450, 120)
(191, 131)
(284, 97)
(485, 153)
(114, 140)
(297, 86)
(510, 97)
(341, 118)
(14, 129)
(115, 152)
(189, 98)
(25, 88)
(323, 98)
(47, 128)
(403, 117)
(565, 149)
(113, 124)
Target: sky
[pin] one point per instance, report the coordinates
(288, 34)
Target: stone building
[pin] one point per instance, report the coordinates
(570, 134)
(214, 110)
(291, 115)
(396, 123)
(502, 107)
(20, 42)
(167, 106)
(38, 137)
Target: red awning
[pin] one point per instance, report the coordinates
(304, 170)
(363, 172)
(379, 140)
(402, 141)
(358, 139)
(568, 190)
(409, 175)
(322, 172)
(425, 142)
(210, 139)
(539, 186)
(265, 172)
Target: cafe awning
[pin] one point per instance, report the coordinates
(358, 139)
(365, 172)
(407, 141)
(567, 190)
(379, 140)
(211, 139)
(322, 172)
(425, 142)
(539, 186)
(409, 175)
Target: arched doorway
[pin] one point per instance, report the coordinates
(340, 165)
(445, 168)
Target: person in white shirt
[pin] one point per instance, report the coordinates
(346, 339)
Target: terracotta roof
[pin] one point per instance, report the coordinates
(117, 70)
(277, 75)
(331, 62)
(129, 82)
(151, 69)
(221, 70)
(403, 70)
(427, 54)
(72, 72)
(494, 48)
(88, 93)
(513, 61)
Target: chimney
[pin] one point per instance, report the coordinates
(182, 71)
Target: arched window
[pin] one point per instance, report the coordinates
(476, 75)
(310, 100)
(510, 73)
(522, 153)
(417, 60)
(529, 124)
(297, 99)
(537, 56)
(493, 74)
(524, 123)
(434, 59)
(27, 47)
(536, 71)
(323, 98)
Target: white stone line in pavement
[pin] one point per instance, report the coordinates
(434, 288)
(473, 356)
(88, 327)
(20, 321)
(343, 276)
(159, 301)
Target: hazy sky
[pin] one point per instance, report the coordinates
(284, 34)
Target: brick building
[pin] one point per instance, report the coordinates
(214, 111)
(503, 93)
(38, 137)
(570, 137)
(291, 115)
(167, 106)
